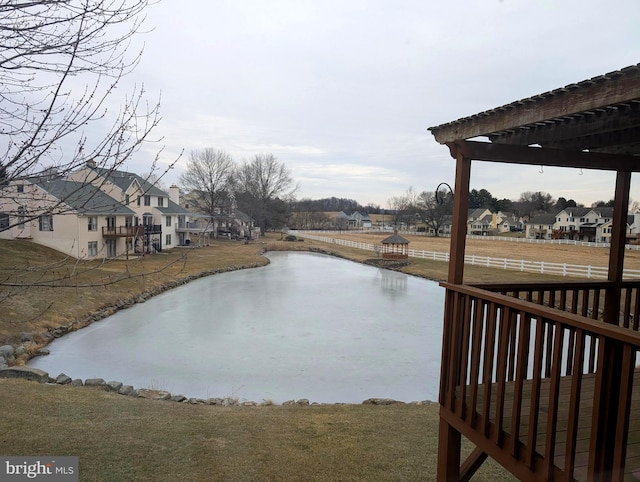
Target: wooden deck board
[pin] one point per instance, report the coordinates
(632, 466)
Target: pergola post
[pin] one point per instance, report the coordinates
(612, 402)
(449, 438)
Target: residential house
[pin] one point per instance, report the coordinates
(541, 226)
(165, 223)
(356, 220)
(71, 217)
(97, 213)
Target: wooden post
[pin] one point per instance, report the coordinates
(449, 438)
(459, 225)
(609, 378)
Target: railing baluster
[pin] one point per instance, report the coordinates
(524, 332)
(489, 360)
(574, 406)
(585, 303)
(636, 307)
(534, 407)
(504, 333)
(554, 395)
(474, 358)
(624, 408)
(513, 325)
(548, 357)
(464, 358)
(626, 310)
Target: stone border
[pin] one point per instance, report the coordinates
(40, 376)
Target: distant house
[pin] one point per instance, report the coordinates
(355, 220)
(541, 226)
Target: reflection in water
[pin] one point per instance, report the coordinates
(392, 282)
(305, 326)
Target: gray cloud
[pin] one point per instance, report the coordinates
(343, 92)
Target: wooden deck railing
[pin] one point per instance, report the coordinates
(585, 298)
(122, 231)
(518, 376)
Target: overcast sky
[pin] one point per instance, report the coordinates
(343, 91)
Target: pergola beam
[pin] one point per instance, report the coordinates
(543, 156)
(597, 93)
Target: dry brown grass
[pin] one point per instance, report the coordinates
(122, 438)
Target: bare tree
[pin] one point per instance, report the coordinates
(60, 63)
(207, 179)
(436, 207)
(404, 207)
(261, 185)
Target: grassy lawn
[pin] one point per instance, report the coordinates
(122, 438)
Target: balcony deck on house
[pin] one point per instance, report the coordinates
(542, 377)
(122, 231)
(195, 227)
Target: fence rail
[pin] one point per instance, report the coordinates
(504, 239)
(542, 267)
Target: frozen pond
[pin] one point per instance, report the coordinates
(305, 326)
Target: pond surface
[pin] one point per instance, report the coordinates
(305, 326)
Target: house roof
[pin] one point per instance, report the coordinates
(124, 179)
(543, 219)
(600, 115)
(82, 197)
(173, 208)
(395, 239)
(475, 213)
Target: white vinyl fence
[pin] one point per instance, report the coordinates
(543, 267)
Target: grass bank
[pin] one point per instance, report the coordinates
(120, 438)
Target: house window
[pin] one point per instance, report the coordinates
(126, 199)
(167, 240)
(138, 200)
(45, 222)
(21, 217)
(168, 221)
(92, 248)
(147, 200)
(92, 223)
(4, 220)
(160, 201)
(20, 187)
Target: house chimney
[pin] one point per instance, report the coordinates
(174, 194)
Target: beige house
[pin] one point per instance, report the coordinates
(164, 222)
(96, 213)
(75, 219)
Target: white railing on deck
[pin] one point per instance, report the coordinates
(542, 267)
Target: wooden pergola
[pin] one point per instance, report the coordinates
(540, 376)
